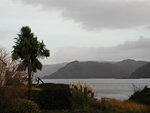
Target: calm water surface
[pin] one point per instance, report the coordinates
(109, 88)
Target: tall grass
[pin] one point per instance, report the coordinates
(83, 101)
(82, 94)
(125, 107)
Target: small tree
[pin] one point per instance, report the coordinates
(4, 58)
(11, 70)
(28, 49)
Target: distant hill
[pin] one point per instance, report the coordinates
(91, 69)
(49, 69)
(142, 72)
(130, 65)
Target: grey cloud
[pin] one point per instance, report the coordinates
(138, 50)
(6, 34)
(142, 43)
(101, 14)
(147, 27)
(6, 38)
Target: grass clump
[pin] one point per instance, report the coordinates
(117, 106)
(82, 94)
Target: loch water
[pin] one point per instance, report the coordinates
(109, 88)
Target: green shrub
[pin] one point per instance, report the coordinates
(54, 96)
(55, 111)
(95, 104)
(10, 104)
(36, 94)
(9, 96)
(82, 94)
(26, 106)
(142, 97)
(86, 110)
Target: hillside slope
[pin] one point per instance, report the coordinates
(89, 70)
(142, 72)
(49, 69)
(130, 65)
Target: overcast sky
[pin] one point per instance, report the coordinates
(81, 29)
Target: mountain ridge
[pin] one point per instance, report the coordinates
(142, 72)
(93, 69)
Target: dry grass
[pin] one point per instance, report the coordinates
(126, 107)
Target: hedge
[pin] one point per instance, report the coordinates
(142, 97)
(53, 96)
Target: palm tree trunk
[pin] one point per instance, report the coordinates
(29, 83)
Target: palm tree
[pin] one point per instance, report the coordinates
(28, 49)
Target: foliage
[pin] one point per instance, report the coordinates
(54, 111)
(10, 101)
(28, 49)
(3, 64)
(6, 100)
(54, 96)
(4, 55)
(36, 94)
(9, 96)
(116, 106)
(26, 106)
(13, 73)
(95, 104)
(141, 96)
(82, 94)
(19, 79)
(86, 110)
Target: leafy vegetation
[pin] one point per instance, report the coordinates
(141, 96)
(54, 96)
(82, 94)
(84, 102)
(111, 106)
(26, 106)
(28, 49)
(116, 106)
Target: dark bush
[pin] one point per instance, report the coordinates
(142, 97)
(95, 104)
(35, 94)
(6, 102)
(26, 106)
(54, 96)
(87, 110)
(10, 101)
